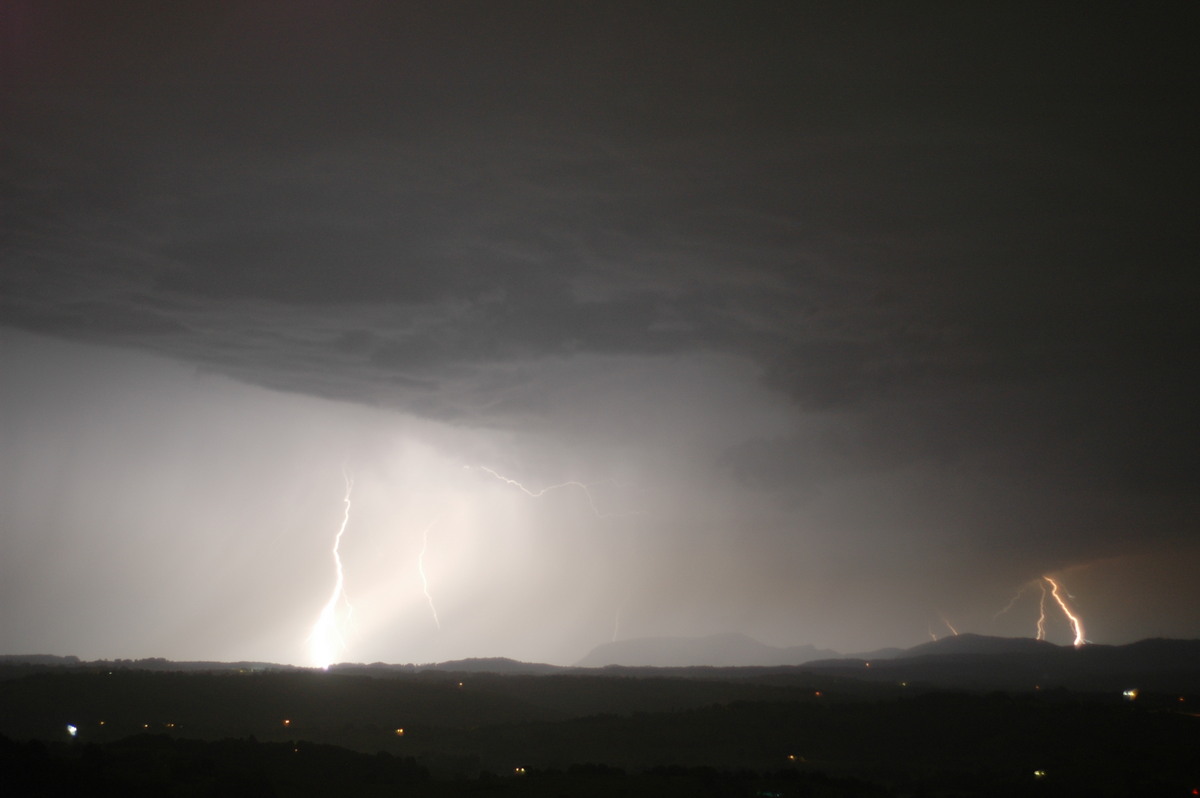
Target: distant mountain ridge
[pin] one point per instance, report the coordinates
(965, 661)
(971, 661)
(724, 651)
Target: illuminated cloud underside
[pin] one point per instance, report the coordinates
(637, 320)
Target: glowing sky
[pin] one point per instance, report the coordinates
(834, 323)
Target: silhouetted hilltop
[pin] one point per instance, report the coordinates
(725, 650)
(37, 659)
(968, 643)
(493, 665)
(980, 662)
(967, 661)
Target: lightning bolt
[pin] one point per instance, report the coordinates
(324, 628)
(537, 494)
(324, 641)
(1054, 591)
(591, 499)
(1041, 624)
(949, 625)
(421, 570)
(1013, 600)
(1076, 622)
(534, 494)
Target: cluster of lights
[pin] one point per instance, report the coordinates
(73, 730)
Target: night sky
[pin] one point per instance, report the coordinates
(834, 323)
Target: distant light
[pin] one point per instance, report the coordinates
(101, 723)
(867, 664)
(791, 757)
(71, 730)
(399, 732)
(287, 722)
(1131, 694)
(519, 771)
(1039, 774)
(460, 684)
(817, 693)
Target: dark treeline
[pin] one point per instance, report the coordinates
(436, 733)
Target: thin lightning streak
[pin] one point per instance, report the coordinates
(537, 494)
(1076, 622)
(324, 641)
(931, 634)
(587, 491)
(1041, 623)
(949, 625)
(532, 494)
(424, 578)
(1013, 600)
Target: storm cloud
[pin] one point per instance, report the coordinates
(855, 313)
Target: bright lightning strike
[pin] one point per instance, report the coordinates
(1054, 591)
(949, 625)
(325, 642)
(1076, 622)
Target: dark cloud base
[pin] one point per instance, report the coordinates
(870, 274)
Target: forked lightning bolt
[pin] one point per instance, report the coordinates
(325, 642)
(1072, 617)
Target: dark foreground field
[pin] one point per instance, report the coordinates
(789, 732)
